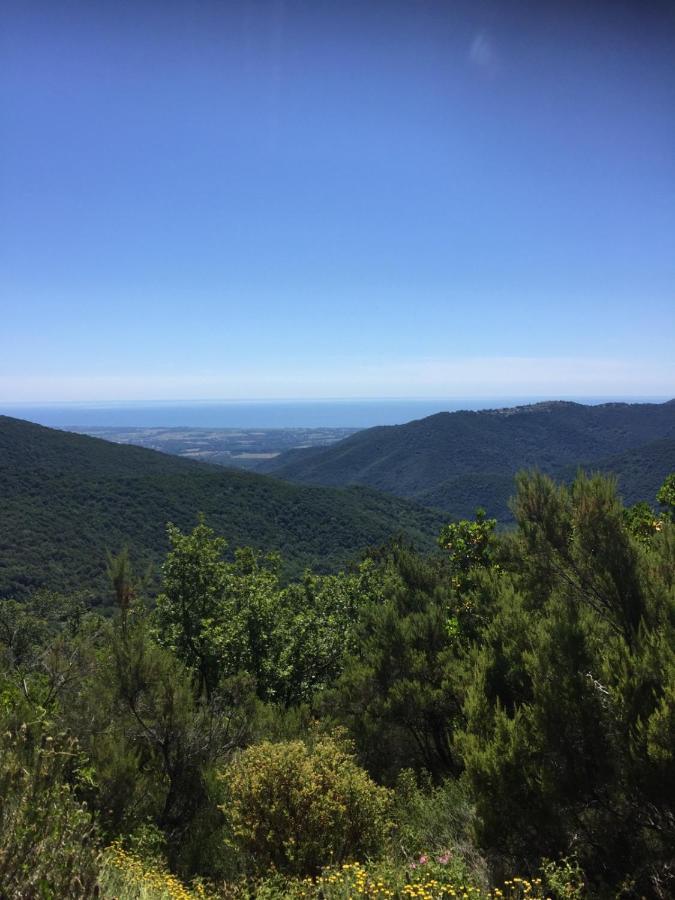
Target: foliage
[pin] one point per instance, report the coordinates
(516, 692)
(47, 838)
(564, 878)
(155, 739)
(457, 461)
(315, 621)
(126, 876)
(67, 498)
(436, 821)
(191, 610)
(425, 878)
(399, 693)
(126, 587)
(294, 806)
(641, 521)
(223, 618)
(666, 496)
(149, 742)
(575, 673)
(467, 545)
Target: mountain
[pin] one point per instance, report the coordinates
(457, 461)
(65, 498)
(639, 473)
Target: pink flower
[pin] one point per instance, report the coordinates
(424, 860)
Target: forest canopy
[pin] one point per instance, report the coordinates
(493, 719)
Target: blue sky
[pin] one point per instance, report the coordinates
(336, 199)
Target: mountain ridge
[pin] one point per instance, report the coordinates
(416, 459)
(66, 498)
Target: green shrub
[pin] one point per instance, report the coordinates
(47, 839)
(426, 879)
(435, 823)
(564, 878)
(297, 808)
(125, 875)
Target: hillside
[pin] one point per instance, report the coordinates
(639, 474)
(456, 461)
(65, 498)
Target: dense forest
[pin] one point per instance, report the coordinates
(66, 498)
(457, 461)
(492, 719)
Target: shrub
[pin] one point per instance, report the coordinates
(564, 878)
(297, 808)
(435, 823)
(127, 876)
(47, 839)
(426, 879)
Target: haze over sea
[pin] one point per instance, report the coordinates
(337, 413)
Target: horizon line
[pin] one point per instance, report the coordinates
(576, 397)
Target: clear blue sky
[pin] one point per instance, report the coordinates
(305, 199)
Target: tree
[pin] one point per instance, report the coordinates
(127, 588)
(222, 618)
(191, 612)
(666, 496)
(641, 521)
(468, 546)
(570, 717)
(314, 630)
(399, 692)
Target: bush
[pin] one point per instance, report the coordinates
(47, 839)
(127, 876)
(435, 823)
(297, 808)
(427, 879)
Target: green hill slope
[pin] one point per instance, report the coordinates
(456, 461)
(639, 475)
(65, 498)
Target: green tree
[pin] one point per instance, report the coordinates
(399, 692)
(127, 587)
(314, 630)
(222, 618)
(191, 613)
(568, 742)
(666, 496)
(641, 521)
(468, 546)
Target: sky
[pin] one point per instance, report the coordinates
(306, 198)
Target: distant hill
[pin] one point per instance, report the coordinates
(65, 498)
(457, 461)
(639, 473)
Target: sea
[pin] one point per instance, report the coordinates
(362, 413)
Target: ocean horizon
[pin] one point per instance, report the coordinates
(336, 413)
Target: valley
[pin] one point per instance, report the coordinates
(244, 448)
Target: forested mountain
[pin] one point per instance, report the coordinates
(638, 472)
(66, 498)
(457, 461)
(493, 721)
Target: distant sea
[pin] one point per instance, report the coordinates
(265, 413)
